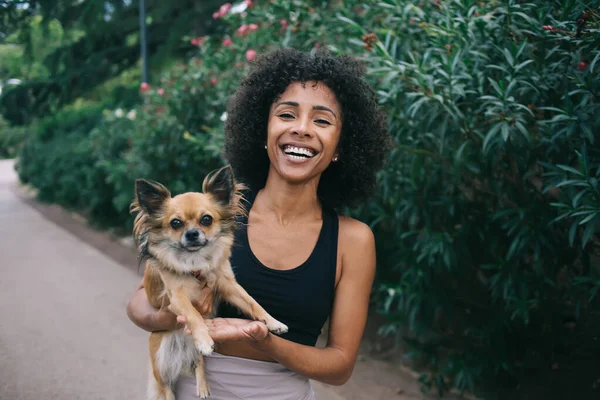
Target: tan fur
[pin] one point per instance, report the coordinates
(170, 271)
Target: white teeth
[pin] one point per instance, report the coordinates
(294, 151)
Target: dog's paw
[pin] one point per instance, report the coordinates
(275, 326)
(205, 345)
(202, 390)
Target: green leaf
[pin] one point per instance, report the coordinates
(505, 131)
(588, 233)
(354, 24)
(572, 233)
(509, 57)
(594, 61)
(523, 65)
(588, 218)
(570, 169)
(578, 197)
(490, 135)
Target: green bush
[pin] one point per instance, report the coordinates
(11, 139)
(55, 157)
(487, 215)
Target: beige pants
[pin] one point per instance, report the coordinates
(234, 378)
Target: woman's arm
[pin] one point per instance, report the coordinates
(141, 312)
(334, 363)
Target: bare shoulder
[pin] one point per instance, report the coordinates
(356, 245)
(353, 232)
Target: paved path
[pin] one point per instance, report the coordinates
(64, 333)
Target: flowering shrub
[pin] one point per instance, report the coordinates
(487, 215)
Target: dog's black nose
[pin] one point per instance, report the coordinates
(192, 235)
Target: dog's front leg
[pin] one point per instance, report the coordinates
(234, 293)
(202, 389)
(181, 305)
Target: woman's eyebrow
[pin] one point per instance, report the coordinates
(323, 108)
(294, 104)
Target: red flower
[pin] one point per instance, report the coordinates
(283, 23)
(250, 55)
(197, 41)
(253, 27)
(227, 42)
(160, 91)
(144, 87)
(582, 66)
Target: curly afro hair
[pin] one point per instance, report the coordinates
(364, 139)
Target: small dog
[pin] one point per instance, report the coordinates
(186, 241)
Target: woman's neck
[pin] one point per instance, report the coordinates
(288, 202)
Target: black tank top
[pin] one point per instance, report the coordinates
(301, 298)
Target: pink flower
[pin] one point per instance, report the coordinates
(144, 87)
(250, 55)
(197, 41)
(241, 31)
(216, 15)
(582, 66)
(548, 27)
(227, 42)
(253, 27)
(283, 23)
(160, 91)
(249, 3)
(213, 81)
(224, 9)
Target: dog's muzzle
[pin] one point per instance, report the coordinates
(193, 239)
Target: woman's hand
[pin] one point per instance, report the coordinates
(141, 312)
(232, 329)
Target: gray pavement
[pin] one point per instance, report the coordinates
(64, 333)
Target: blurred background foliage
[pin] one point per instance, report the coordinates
(486, 215)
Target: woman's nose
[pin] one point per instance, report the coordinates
(302, 128)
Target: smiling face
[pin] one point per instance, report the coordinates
(303, 131)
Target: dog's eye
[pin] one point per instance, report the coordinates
(206, 220)
(176, 224)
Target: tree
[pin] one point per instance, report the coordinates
(102, 41)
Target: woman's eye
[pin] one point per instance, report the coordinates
(206, 220)
(176, 224)
(323, 122)
(286, 116)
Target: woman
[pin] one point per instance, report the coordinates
(304, 132)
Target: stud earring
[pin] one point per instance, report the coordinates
(335, 158)
(265, 146)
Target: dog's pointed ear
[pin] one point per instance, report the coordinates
(220, 184)
(150, 195)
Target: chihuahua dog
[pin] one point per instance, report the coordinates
(186, 242)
